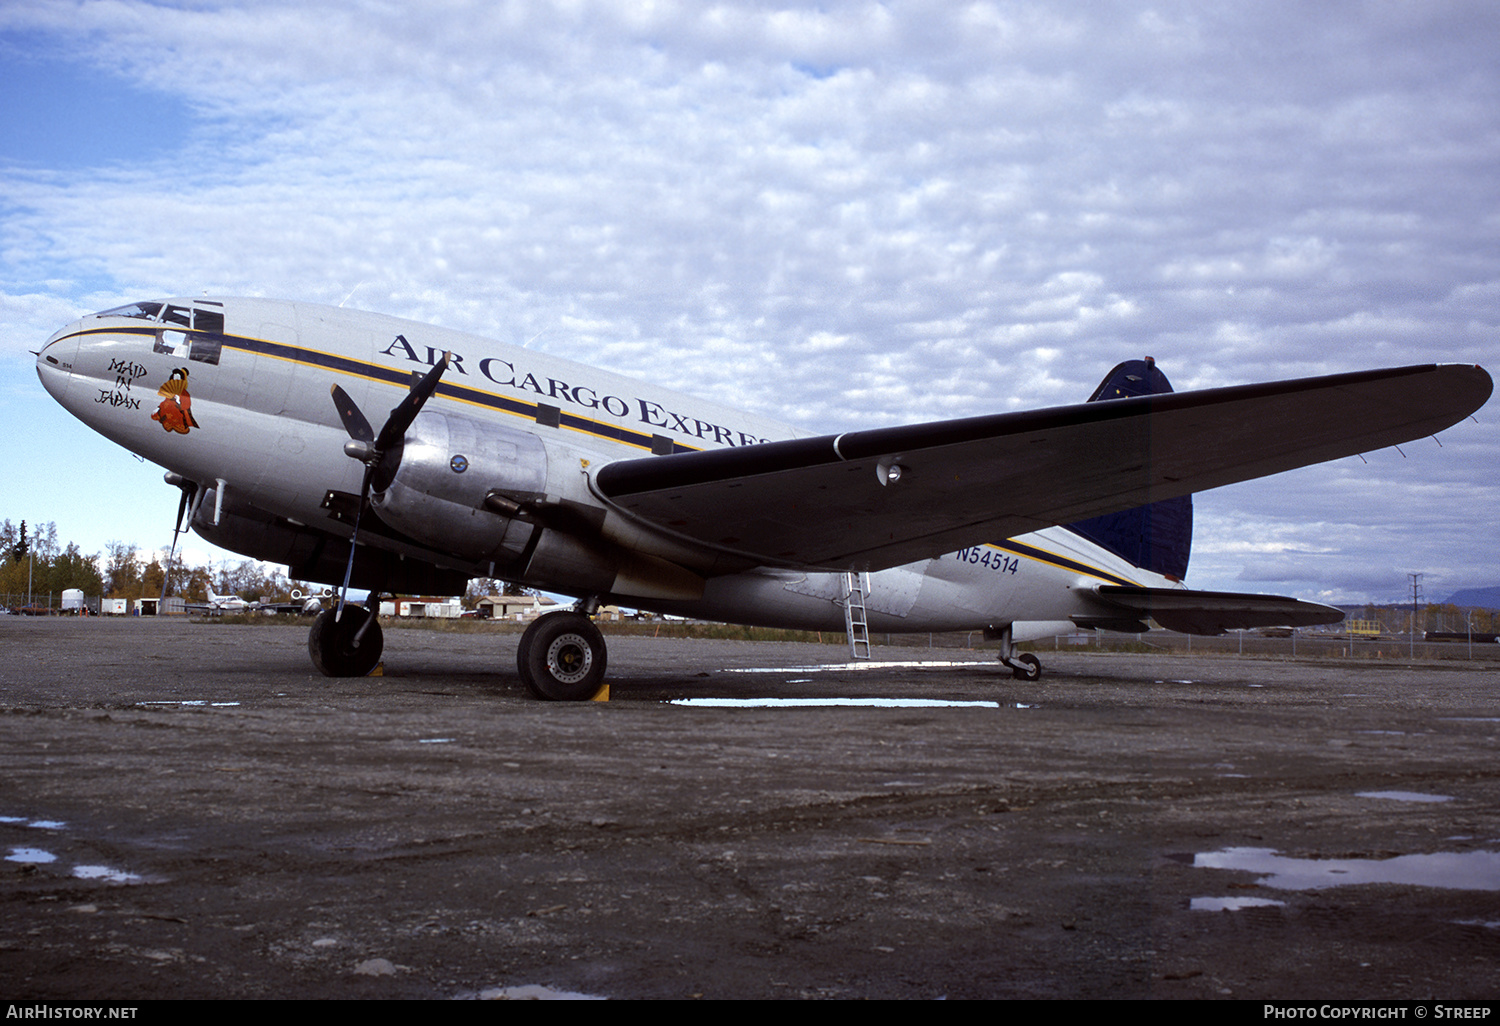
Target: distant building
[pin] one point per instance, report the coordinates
(424, 608)
(518, 608)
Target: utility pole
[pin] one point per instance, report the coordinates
(1416, 601)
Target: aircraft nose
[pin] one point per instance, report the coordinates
(54, 364)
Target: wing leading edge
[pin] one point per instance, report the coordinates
(821, 502)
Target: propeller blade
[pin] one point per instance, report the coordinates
(392, 436)
(354, 422)
(406, 411)
(364, 491)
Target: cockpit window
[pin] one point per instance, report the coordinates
(195, 317)
(191, 332)
(145, 311)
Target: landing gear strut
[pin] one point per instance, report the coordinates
(562, 657)
(1022, 667)
(347, 645)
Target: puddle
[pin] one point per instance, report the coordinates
(435, 740)
(1461, 871)
(30, 856)
(535, 992)
(876, 703)
(1404, 796)
(1232, 904)
(105, 873)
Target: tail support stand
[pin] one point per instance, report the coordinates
(1023, 667)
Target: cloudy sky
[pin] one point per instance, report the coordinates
(840, 214)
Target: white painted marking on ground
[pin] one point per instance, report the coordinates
(878, 703)
(840, 667)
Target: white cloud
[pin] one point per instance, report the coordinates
(866, 212)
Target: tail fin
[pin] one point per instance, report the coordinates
(1158, 537)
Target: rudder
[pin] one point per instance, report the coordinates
(1157, 537)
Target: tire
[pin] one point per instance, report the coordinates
(331, 643)
(562, 658)
(1031, 668)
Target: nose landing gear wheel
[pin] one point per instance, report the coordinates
(331, 643)
(562, 658)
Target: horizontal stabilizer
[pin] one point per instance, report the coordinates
(1214, 612)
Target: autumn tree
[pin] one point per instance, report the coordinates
(122, 571)
(72, 569)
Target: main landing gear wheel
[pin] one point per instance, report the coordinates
(332, 647)
(562, 658)
(1026, 667)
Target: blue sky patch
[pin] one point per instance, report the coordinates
(61, 114)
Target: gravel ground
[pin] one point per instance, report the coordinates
(188, 811)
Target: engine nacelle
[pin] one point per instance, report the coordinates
(478, 490)
(449, 464)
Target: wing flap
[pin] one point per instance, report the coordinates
(820, 502)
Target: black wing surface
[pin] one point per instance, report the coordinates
(819, 503)
(1215, 612)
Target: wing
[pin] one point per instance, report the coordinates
(821, 503)
(1204, 612)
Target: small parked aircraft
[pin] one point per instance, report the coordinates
(499, 462)
(225, 603)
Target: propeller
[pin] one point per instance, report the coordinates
(381, 454)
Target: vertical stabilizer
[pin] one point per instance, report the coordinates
(1158, 537)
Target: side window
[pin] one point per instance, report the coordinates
(200, 337)
(172, 343)
(208, 335)
(206, 348)
(208, 320)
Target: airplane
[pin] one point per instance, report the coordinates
(304, 605)
(227, 603)
(498, 462)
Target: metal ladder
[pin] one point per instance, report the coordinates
(856, 624)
